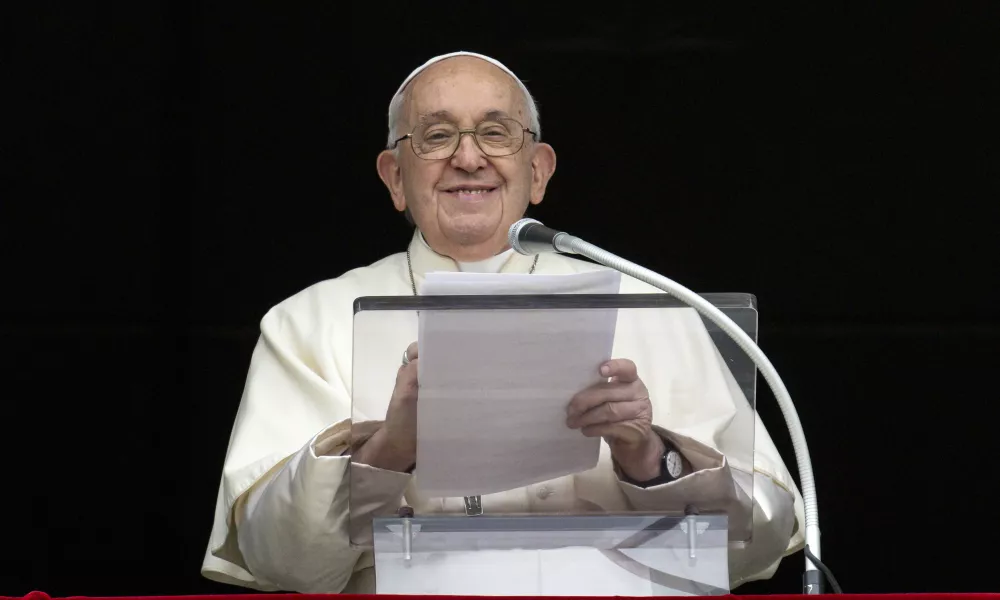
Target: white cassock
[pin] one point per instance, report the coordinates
(282, 517)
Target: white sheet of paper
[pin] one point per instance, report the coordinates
(494, 384)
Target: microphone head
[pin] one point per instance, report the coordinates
(514, 232)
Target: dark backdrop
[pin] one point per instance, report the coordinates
(173, 170)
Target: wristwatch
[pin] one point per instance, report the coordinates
(671, 468)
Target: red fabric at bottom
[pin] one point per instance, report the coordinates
(936, 596)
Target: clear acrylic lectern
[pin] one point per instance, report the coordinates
(526, 518)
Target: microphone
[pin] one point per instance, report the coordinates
(528, 236)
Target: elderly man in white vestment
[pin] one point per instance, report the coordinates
(465, 159)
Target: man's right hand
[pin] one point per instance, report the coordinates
(394, 445)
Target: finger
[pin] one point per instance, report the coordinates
(615, 433)
(622, 369)
(409, 355)
(605, 430)
(609, 412)
(406, 377)
(600, 393)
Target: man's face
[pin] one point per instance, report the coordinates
(465, 204)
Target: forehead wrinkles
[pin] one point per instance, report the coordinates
(431, 90)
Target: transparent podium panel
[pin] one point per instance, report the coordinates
(595, 555)
(505, 414)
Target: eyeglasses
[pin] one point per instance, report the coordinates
(440, 140)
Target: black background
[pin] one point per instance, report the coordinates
(171, 171)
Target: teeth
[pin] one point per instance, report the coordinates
(470, 191)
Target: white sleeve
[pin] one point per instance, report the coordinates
(715, 485)
(701, 408)
(296, 526)
(774, 530)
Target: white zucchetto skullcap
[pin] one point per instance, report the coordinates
(437, 59)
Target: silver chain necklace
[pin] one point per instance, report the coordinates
(413, 282)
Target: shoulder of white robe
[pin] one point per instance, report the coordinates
(328, 302)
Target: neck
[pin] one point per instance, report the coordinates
(469, 254)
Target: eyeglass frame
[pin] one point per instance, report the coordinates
(461, 132)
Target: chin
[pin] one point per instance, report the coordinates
(473, 229)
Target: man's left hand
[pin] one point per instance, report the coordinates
(619, 410)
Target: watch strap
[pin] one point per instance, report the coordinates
(663, 477)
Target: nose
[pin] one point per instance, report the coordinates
(468, 156)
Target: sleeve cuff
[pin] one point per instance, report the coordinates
(710, 487)
(339, 438)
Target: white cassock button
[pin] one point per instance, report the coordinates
(544, 492)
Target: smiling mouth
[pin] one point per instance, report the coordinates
(470, 190)
(471, 194)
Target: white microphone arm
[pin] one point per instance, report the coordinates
(528, 236)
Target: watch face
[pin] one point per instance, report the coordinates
(675, 463)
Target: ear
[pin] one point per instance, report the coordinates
(543, 165)
(388, 171)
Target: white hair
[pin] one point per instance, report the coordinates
(399, 99)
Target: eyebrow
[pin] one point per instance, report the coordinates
(444, 115)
